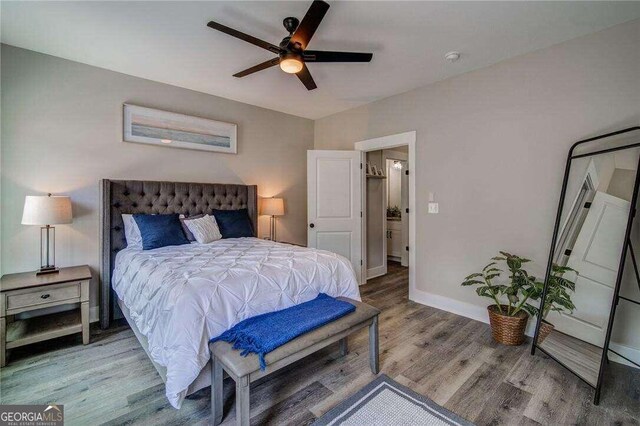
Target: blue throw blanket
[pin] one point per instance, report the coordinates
(264, 333)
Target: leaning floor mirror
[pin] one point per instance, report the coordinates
(590, 307)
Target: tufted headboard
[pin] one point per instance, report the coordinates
(132, 196)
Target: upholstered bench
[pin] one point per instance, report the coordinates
(245, 370)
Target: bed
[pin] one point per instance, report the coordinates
(175, 298)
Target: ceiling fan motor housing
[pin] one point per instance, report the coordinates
(291, 24)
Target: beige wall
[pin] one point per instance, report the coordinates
(62, 132)
(491, 145)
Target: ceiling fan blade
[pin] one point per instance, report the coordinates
(259, 67)
(306, 79)
(325, 56)
(309, 24)
(243, 36)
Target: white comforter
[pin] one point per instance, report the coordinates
(181, 296)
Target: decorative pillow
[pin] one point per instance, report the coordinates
(234, 223)
(131, 232)
(188, 233)
(160, 230)
(204, 229)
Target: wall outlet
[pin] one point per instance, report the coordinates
(433, 208)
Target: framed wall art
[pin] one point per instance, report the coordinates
(157, 127)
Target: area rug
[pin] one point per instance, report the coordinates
(387, 402)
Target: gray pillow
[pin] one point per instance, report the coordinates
(188, 233)
(204, 229)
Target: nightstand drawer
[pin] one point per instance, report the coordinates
(46, 296)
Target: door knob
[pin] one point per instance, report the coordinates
(311, 225)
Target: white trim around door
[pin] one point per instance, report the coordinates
(387, 142)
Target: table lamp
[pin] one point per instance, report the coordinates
(272, 207)
(46, 211)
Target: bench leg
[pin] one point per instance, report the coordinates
(242, 401)
(344, 346)
(373, 346)
(216, 391)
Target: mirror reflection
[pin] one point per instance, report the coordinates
(586, 259)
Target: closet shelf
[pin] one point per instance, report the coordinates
(376, 177)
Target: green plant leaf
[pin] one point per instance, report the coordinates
(477, 274)
(530, 309)
(489, 265)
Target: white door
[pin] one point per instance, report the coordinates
(596, 257)
(334, 209)
(404, 206)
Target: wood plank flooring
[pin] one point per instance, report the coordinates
(448, 358)
(581, 357)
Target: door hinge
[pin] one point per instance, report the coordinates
(567, 252)
(407, 248)
(361, 263)
(360, 214)
(406, 172)
(406, 210)
(360, 166)
(587, 205)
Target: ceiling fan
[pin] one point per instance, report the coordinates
(292, 53)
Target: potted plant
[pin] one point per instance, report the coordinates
(509, 315)
(394, 212)
(558, 298)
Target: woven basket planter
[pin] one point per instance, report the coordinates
(505, 329)
(545, 329)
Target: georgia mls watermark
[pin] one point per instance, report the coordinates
(31, 415)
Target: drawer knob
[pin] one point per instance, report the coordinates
(45, 296)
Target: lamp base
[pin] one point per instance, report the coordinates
(47, 270)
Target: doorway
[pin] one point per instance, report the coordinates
(386, 202)
(387, 209)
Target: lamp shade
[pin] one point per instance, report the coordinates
(272, 207)
(46, 210)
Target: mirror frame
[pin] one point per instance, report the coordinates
(625, 247)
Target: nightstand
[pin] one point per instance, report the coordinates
(25, 292)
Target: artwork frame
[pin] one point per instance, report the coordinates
(169, 129)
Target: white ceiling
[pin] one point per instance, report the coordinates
(170, 43)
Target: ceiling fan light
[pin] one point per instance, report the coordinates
(291, 65)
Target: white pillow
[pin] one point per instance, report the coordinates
(204, 229)
(132, 232)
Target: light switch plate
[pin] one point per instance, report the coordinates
(433, 208)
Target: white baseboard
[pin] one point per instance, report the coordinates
(94, 314)
(378, 271)
(457, 307)
(448, 304)
(629, 352)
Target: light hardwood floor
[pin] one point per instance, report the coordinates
(448, 358)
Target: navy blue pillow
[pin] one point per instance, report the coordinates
(234, 223)
(160, 230)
